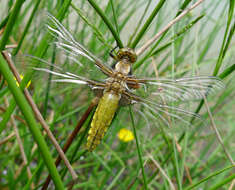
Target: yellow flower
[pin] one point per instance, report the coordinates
(125, 135)
(21, 76)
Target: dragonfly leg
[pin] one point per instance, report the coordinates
(112, 55)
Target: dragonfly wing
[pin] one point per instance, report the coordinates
(67, 43)
(166, 115)
(183, 89)
(63, 76)
(67, 77)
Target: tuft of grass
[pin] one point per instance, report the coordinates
(203, 40)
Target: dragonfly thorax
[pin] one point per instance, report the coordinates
(115, 85)
(125, 57)
(123, 67)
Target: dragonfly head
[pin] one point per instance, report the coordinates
(127, 54)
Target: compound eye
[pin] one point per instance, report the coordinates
(133, 58)
(120, 54)
(127, 53)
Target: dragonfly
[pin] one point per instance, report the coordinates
(120, 88)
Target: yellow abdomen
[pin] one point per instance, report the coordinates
(102, 118)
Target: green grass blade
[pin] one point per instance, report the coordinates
(147, 23)
(223, 182)
(7, 115)
(184, 156)
(223, 50)
(4, 21)
(225, 41)
(176, 164)
(209, 177)
(79, 143)
(29, 117)
(15, 51)
(183, 6)
(94, 28)
(2, 93)
(49, 83)
(139, 63)
(177, 35)
(139, 23)
(41, 50)
(115, 17)
(29, 182)
(227, 71)
(10, 23)
(138, 149)
(107, 22)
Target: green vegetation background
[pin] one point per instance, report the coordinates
(201, 42)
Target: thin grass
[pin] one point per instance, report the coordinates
(210, 176)
(190, 160)
(107, 22)
(26, 28)
(225, 44)
(26, 110)
(138, 150)
(147, 23)
(39, 53)
(10, 23)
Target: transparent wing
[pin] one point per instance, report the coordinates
(166, 115)
(65, 77)
(67, 43)
(183, 89)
